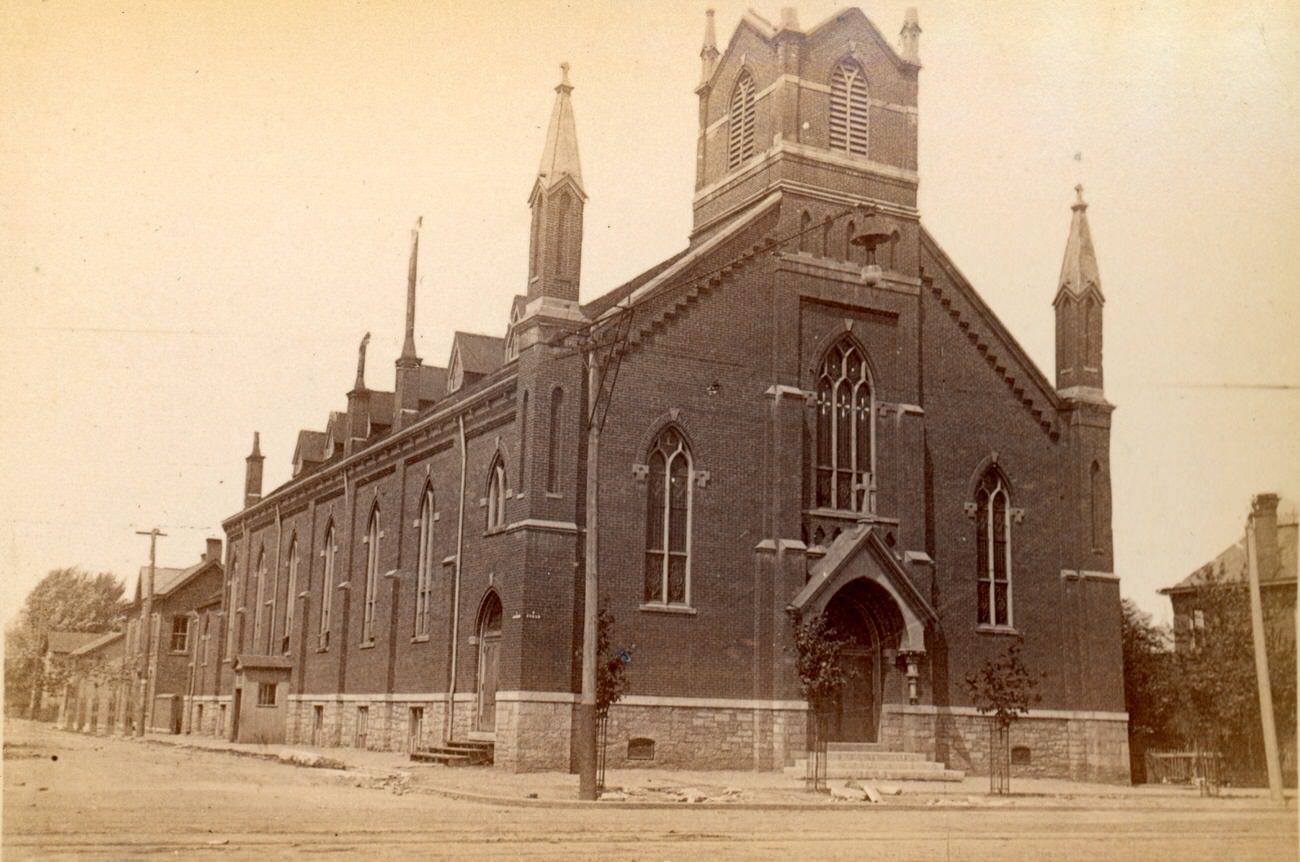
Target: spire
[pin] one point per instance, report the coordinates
(408, 356)
(1079, 269)
(709, 53)
(560, 157)
(256, 454)
(360, 384)
(910, 37)
(253, 473)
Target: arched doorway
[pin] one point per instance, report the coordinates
(489, 656)
(866, 614)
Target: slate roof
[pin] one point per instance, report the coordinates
(479, 354)
(67, 642)
(98, 642)
(1230, 564)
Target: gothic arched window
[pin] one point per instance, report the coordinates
(424, 567)
(496, 494)
(372, 580)
(1095, 509)
(327, 587)
(845, 430)
(805, 226)
(259, 596)
(849, 107)
(993, 549)
(740, 134)
(232, 603)
(553, 442)
(668, 520)
(290, 595)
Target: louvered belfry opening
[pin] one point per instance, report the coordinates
(740, 140)
(849, 105)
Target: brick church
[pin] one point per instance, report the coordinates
(807, 409)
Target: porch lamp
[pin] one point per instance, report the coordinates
(913, 661)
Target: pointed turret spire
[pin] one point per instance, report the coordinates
(360, 383)
(253, 473)
(910, 37)
(560, 157)
(1079, 269)
(709, 53)
(408, 346)
(1079, 304)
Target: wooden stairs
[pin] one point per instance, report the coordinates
(456, 752)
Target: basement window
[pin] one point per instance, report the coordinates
(1020, 756)
(640, 748)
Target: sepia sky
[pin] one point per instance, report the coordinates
(203, 206)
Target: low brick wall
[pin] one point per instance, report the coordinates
(1080, 746)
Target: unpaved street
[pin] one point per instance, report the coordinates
(108, 798)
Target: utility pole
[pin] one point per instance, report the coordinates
(1261, 666)
(591, 583)
(146, 622)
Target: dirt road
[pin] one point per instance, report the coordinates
(108, 798)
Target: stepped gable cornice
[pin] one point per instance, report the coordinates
(994, 341)
(492, 393)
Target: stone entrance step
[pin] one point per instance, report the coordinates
(870, 760)
(464, 752)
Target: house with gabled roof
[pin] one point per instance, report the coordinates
(807, 410)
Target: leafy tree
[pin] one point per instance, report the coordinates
(819, 652)
(65, 600)
(611, 683)
(1150, 686)
(1218, 688)
(1002, 688)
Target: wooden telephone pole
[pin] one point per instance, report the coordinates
(146, 623)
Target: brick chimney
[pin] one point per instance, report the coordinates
(213, 551)
(1263, 514)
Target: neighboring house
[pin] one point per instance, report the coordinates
(95, 695)
(1276, 546)
(47, 700)
(163, 664)
(812, 411)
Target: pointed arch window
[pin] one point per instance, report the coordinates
(259, 595)
(562, 209)
(845, 430)
(496, 494)
(1095, 509)
(372, 580)
(290, 598)
(232, 604)
(993, 517)
(805, 226)
(668, 521)
(523, 441)
(849, 108)
(424, 567)
(553, 442)
(740, 135)
(326, 590)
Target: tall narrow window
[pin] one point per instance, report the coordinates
(523, 441)
(668, 521)
(845, 430)
(372, 581)
(232, 605)
(1095, 507)
(850, 230)
(740, 136)
(327, 587)
(849, 107)
(562, 207)
(259, 595)
(424, 567)
(805, 226)
(993, 549)
(180, 633)
(553, 442)
(496, 494)
(290, 598)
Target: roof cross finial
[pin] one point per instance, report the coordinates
(564, 78)
(1079, 203)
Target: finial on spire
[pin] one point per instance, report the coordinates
(1079, 203)
(256, 454)
(910, 37)
(361, 363)
(560, 156)
(408, 346)
(709, 53)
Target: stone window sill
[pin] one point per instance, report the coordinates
(420, 639)
(370, 644)
(658, 608)
(986, 629)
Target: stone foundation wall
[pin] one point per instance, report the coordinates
(1079, 746)
(534, 736)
